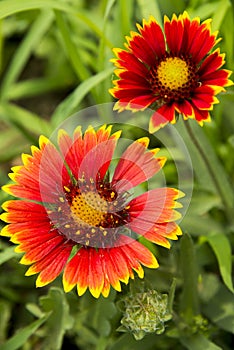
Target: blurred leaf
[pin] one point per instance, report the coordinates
(202, 225)
(59, 320)
(219, 14)
(148, 8)
(20, 57)
(205, 10)
(202, 202)
(223, 251)
(189, 298)
(26, 121)
(33, 87)
(218, 180)
(220, 309)
(22, 335)
(71, 103)
(15, 144)
(103, 311)
(5, 315)
(71, 50)
(228, 37)
(198, 342)
(8, 254)
(10, 7)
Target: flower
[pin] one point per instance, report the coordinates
(171, 73)
(72, 217)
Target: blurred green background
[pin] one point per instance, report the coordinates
(54, 61)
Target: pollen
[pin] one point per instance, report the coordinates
(88, 209)
(173, 79)
(173, 73)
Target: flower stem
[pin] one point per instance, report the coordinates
(210, 168)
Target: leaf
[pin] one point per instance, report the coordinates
(220, 309)
(25, 121)
(148, 8)
(203, 201)
(70, 104)
(59, 320)
(71, 49)
(198, 342)
(22, 335)
(202, 225)
(21, 56)
(222, 249)
(5, 315)
(8, 254)
(10, 7)
(207, 166)
(220, 13)
(189, 298)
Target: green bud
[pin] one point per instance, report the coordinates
(145, 313)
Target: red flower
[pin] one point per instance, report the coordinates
(71, 216)
(171, 73)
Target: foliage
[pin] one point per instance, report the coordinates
(54, 61)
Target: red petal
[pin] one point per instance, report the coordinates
(161, 117)
(96, 276)
(23, 211)
(201, 115)
(211, 63)
(136, 165)
(141, 254)
(218, 78)
(153, 35)
(50, 266)
(141, 49)
(40, 251)
(129, 62)
(155, 206)
(174, 34)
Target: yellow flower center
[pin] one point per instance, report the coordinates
(173, 73)
(88, 209)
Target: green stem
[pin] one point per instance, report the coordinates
(208, 164)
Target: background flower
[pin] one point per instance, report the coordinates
(171, 73)
(69, 204)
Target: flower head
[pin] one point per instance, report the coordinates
(72, 216)
(171, 73)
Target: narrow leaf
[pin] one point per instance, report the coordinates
(21, 56)
(189, 298)
(198, 342)
(22, 335)
(7, 254)
(222, 249)
(71, 103)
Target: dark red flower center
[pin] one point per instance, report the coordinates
(174, 79)
(91, 214)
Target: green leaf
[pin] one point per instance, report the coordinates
(202, 225)
(223, 251)
(189, 298)
(71, 49)
(198, 342)
(10, 7)
(71, 103)
(21, 56)
(7, 254)
(148, 8)
(191, 133)
(220, 13)
(22, 335)
(5, 315)
(24, 120)
(220, 309)
(59, 321)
